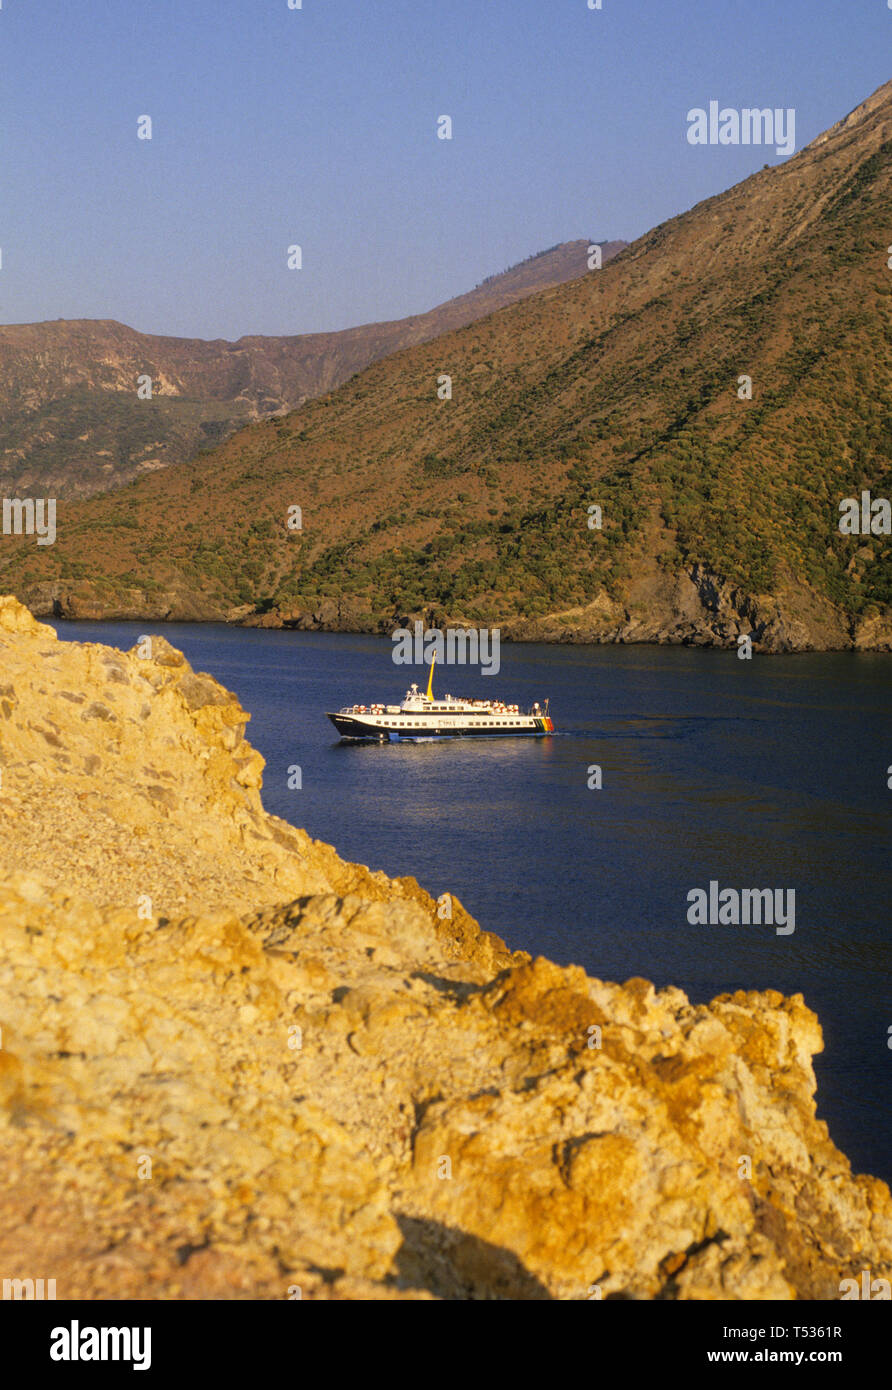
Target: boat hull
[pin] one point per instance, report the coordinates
(373, 727)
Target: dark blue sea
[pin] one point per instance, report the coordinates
(771, 773)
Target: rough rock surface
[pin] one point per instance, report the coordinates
(232, 1065)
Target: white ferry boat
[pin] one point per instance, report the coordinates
(421, 716)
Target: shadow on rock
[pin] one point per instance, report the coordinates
(454, 1265)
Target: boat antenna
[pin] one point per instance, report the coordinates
(430, 679)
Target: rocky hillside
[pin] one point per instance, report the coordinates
(71, 422)
(716, 391)
(234, 1066)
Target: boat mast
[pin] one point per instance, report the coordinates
(430, 679)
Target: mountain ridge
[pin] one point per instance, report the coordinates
(71, 423)
(618, 391)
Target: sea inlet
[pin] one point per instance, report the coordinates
(715, 774)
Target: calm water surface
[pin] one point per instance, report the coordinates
(767, 773)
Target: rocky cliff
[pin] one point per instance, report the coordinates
(692, 608)
(234, 1066)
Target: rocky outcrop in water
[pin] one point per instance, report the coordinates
(234, 1066)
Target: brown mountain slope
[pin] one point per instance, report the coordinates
(618, 390)
(71, 422)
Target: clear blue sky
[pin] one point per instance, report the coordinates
(318, 126)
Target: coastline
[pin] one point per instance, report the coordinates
(696, 609)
